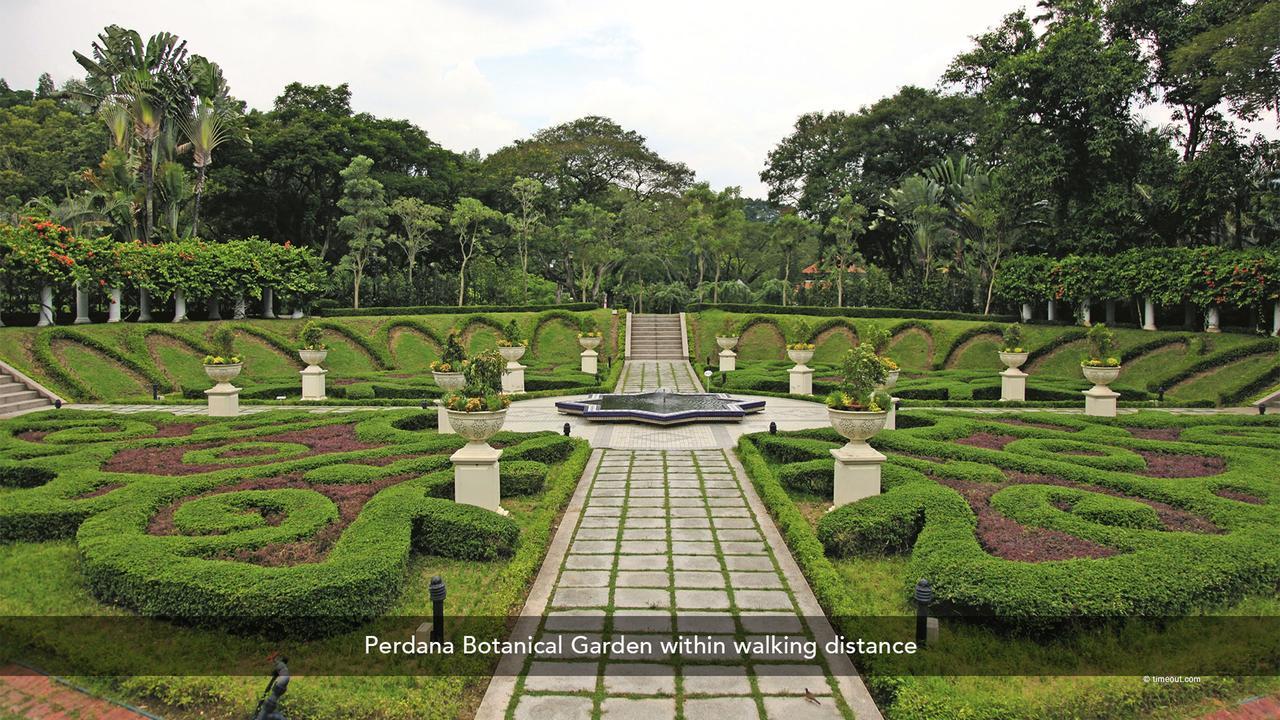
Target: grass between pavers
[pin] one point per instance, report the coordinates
(677, 662)
(875, 585)
(47, 578)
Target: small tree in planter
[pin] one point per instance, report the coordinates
(448, 370)
(799, 349)
(863, 374)
(1101, 367)
(879, 338)
(478, 409)
(858, 410)
(512, 346)
(313, 350)
(225, 365)
(1012, 353)
(588, 336)
(727, 338)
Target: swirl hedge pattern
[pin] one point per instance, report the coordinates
(1036, 518)
(287, 522)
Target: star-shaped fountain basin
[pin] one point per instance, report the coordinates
(661, 407)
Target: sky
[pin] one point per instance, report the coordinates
(713, 84)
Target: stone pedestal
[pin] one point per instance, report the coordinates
(443, 426)
(475, 476)
(1100, 401)
(113, 310)
(224, 400)
(589, 361)
(1148, 314)
(728, 360)
(1013, 385)
(144, 306)
(179, 306)
(46, 306)
(1213, 324)
(513, 377)
(857, 473)
(82, 307)
(891, 420)
(313, 382)
(268, 304)
(801, 380)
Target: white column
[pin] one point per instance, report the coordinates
(857, 473)
(268, 304)
(475, 476)
(113, 309)
(443, 426)
(1052, 311)
(1, 320)
(239, 313)
(82, 307)
(1027, 312)
(1086, 312)
(46, 306)
(1013, 385)
(728, 360)
(297, 313)
(215, 312)
(144, 306)
(179, 306)
(590, 361)
(1212, 319)
(1275, 318)
(1148, 313)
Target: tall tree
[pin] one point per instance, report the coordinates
(847, 223)
(418, 220)
(472, 222)
(366, 216)
(524, 223)
(790, 233)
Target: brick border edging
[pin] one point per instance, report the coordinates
(502, 685)
(852, 688)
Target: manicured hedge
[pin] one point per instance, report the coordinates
(451, 309)
(863, 312)
(195, 571)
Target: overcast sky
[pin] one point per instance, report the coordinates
(713, 84)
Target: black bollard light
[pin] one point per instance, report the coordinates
(566, 429)
(426, 405)
(436, 591)
(277, 686)
(1160, 396)
(155, 392)
(57, 404)
(773, 428)
(924, 598)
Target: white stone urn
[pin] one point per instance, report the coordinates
(513, 353)
(313, 357)
(1013, 360)
(800, 357)
(856, 426)
(449, 381)
(225, 373)
(890, 379)
(589, 343)
(477, 427)
(727, 342)
(1100, 375)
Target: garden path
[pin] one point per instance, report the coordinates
(40, 697)
(661, 544)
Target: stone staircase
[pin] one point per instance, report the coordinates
(19, 394)
(656, 337)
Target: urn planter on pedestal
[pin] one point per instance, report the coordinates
(313, 375)
(1013, 382)
(513, 373)
(475, 465)
(891, 417)
(1100, 400)
(224, 398)
(801, 375)
(590, 358)
(857, 468)
(728, 358)
(448, 382)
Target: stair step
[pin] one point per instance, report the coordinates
(11, 395)
(39, 402)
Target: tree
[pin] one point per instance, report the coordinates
(471, 221)
(790, 233)
(366, 215)
(1237, 57)
(847, 223)
(917, 205)
(207, 128)
(418, 220)
(524, 223)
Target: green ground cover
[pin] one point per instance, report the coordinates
(303, 527)
(1047, 524)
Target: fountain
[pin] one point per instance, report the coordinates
(661, 407)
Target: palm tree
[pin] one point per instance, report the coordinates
(205, 129)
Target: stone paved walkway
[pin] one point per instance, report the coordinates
(646, 375)
(663, 544)
(40, 697)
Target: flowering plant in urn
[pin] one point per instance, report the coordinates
(478, 409)
(448, 370)
(1012, 353)
(1101, 367)
(313, 351)
(878, 338)
(858, 409)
